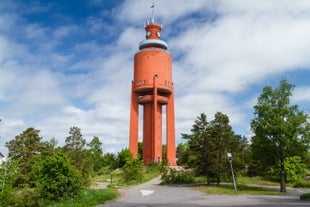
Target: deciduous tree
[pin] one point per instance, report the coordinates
(281, 129)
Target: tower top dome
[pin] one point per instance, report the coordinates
(152, 35)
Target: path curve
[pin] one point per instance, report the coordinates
(151, 194)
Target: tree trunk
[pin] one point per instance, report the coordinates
(282, 176)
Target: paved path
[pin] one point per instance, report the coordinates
(153, 195)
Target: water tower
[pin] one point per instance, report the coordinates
(152, 88)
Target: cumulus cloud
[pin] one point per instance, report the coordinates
(54, 76)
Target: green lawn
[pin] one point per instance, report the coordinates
(229, 190)
(256, 181)
(90, 198)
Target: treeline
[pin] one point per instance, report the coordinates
(279, 148)
(39, 172)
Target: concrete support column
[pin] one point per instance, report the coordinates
(134, 124)
(170, 130)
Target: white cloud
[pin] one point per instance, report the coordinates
(220, 48)
(301, 94)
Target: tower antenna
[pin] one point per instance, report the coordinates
(153, 8)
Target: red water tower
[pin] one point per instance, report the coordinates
(152, 88)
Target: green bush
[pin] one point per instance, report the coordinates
(56, 179)
(302, 184)
(9, 171)
(173, 176)
(132, 170)
(26, 197)
(305, 196)
(294, 169)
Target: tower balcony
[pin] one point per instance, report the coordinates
(149, 98)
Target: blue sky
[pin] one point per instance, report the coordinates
(70, 63)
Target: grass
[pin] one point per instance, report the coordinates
(149, 172)
(229, 190)
(256, 180)
(89, 197)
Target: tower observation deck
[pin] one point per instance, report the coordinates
(152, 88)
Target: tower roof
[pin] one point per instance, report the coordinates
(152, 36)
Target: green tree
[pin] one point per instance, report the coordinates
(222, 140)
(208, 145)
(75, 140)
(199, 145)
(56, 179)
(140, 150)
(76, 152)
(183, 154)
(281, 129)
(95, 152)
(121, 158)
(108, 159)
(132, 169)
(26, 148)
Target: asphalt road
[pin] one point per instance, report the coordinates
(153, 195)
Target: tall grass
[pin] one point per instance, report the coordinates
(89, 197)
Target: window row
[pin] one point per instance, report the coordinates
(143, 82)
(162, 58)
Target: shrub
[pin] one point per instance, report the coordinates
(302, 184)
(132, 170)
(173, 176)
(9, 171)
(56, 179)
(26, 197)
(305, 196)
(294, 169)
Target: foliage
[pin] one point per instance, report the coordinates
(76, 152)
(222, 141)
(122, 158)
(56, 179)
(198, 144)
(8, 173)
(95, 153)
(108, 159)
(182, 154)
(132, 170)
(140, 150)
(281, 129)
(26, 148)
(302, 184)
(294, 169)
(26, 197)
(208, 144)
(174, 176)
(305, 196)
